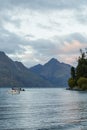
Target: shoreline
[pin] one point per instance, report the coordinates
(75, 89)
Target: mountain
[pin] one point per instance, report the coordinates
(16, 74)
(51, 74)
(55, 72)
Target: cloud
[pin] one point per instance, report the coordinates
(30, 52)
(71, 43)
(43, 4)
(73, 48)
(64, 48)
(81, 16)
(9, 42)
(34, 31)
(21, 17)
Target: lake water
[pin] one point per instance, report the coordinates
(43, 109)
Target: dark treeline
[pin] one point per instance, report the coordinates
(79, 74)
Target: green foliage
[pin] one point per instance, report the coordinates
(82, 83)
(71, 83)
(79, 75)
(81, 70)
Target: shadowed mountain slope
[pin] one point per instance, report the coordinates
(16, 74)
(55, 72)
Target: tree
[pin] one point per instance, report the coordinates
(73, 72)
(79, 75)
(82, 83)
(71, 83)
(81, 70)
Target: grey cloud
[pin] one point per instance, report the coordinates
(43, 46)
(81, 17)
(8, 18)
(76, 36)
(47, 49)
(44, 26)
(43, 4)
(9, 42)
(29, 36)
(52, 48)
(50, 26)
(70, 39)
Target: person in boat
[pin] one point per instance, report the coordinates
(18, 89)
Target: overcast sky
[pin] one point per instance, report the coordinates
(34, 31)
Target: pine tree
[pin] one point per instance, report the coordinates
(73, 72)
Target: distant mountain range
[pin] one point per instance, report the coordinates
(53, 71)
(14, 73)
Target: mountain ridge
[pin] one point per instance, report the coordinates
(55, 72)
(14, 73)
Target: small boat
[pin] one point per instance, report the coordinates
(18, 89)
(15, 92)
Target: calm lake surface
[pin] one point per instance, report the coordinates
(43, 109)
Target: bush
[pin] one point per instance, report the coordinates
(71, 83)
(82, 83)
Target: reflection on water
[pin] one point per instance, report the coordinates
(43, 109)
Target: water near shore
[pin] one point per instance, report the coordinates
(43, 109)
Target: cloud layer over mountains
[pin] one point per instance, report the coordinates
(34, 31)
